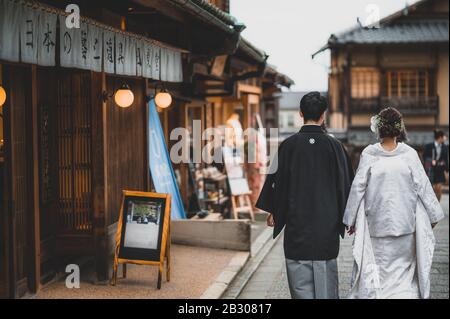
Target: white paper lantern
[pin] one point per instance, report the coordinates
(124, 97)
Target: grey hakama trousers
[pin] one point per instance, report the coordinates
(313, 279)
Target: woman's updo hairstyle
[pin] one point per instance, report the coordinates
(389, 123)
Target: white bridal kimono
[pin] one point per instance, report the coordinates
(392, 206)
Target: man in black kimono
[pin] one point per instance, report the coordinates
(307, 195)
(435, 157)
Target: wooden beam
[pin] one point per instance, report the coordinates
(100, 174)
(148, 178)
(35, 218)
(246, 88)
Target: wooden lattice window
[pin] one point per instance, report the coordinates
(74, 154)
(408, 83)
(365, 83)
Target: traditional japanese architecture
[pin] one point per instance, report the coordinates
(272, 84)
(74, 130)
(401, 61)
(289, 115)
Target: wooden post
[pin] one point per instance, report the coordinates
(168, 261)
(148, 178)
(34, 194)
(100, 176)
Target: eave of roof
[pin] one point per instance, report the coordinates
(420, 31)
(392, 32)
(252, 51)
(278, 77)
(210, 14)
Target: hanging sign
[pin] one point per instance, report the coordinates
(120, 53)
(140, 47)
(81, 47)
(171, 70)
(96, 48)
(164, 62)
(10, 19)
(47, 38)
(147, 66)
(109, 56)
(178, 67)
(130, 54)
(156, 60)
(29, 35)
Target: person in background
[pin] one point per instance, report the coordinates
(307, 194)
(435, 157)
(392, 208)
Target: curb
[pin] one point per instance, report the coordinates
(237, 286)
(234, 278)
(220, 285)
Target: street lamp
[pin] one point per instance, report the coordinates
(2, 96)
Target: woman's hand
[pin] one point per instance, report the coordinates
(270, 221)
(350, 230)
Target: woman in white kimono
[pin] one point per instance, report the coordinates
(391, 209)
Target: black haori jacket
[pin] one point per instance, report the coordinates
(308, 192)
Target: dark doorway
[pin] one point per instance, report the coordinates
(65, 167)
(16, 218)
(3, 208)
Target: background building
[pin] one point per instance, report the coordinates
(290, 121)
(402, 62)
(67, 150)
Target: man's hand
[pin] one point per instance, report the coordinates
(350, 230)
(270, 221)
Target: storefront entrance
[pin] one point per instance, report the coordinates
(65, 166)
(46, 195)
(3, 207)
(16, 186)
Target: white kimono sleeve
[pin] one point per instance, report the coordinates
(358, 189)
(425, 190)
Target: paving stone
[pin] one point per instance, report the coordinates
(271, 274)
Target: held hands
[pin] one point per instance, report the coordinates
(270, 221)
(350, 230)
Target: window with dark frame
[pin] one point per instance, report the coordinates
(408, 83)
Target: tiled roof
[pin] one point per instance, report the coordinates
(252, 51)
(421, 31)
(222, 15)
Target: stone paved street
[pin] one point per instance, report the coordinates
(269, 281)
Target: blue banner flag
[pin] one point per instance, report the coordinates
(161, 168)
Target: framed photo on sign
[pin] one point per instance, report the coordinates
(143, 235)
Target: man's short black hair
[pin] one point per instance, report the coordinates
(313, 105)
(438, 134)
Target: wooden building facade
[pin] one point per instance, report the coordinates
(402, 61)
(68, 152)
